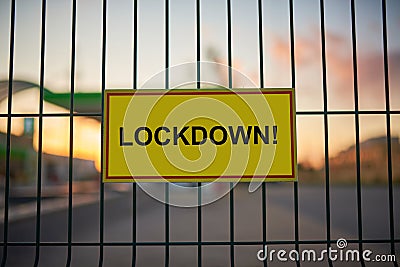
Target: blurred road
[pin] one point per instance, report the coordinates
(215, 227)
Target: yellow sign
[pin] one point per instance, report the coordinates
(199, 135)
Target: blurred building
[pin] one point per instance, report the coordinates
(373, 161)
(55, 135)
(55, 169)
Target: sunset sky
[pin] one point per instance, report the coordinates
(151, 51)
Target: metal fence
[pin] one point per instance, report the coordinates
(199, 243)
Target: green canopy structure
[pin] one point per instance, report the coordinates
(83, 102)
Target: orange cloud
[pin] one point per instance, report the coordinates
(340, 67)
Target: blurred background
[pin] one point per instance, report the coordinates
(343, 209)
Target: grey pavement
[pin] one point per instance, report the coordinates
(215, 227)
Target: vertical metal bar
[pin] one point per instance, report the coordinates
(357, 125)
(167, 87)
(134, 224)
(295, 184)
(103, 87)
(198, 43)
(166, 224)
(260, 42)
(326, 128)
(9, 120)
(199, 225)
(229, 18)
(198, 85)
(388, 129)
(231, 224)
(134, 186)
(71, 132)
(231, 185)
(135, 42)
(167, 44)
(40, 133)
(261, 70)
